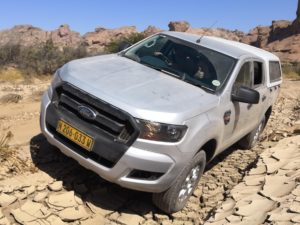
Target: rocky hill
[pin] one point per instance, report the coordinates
(28, 35)
(281, 37)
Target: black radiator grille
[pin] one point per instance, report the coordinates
(114, 122)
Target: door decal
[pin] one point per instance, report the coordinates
(227, 117)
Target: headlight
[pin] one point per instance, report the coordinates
(56, 80)
(161, 132)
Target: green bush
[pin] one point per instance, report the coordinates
(114, 46)
(42, 59)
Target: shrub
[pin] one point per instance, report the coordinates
(9, 54)
(4, 139)
(42, 59)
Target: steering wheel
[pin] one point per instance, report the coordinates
(163, 57)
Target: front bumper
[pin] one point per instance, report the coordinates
(154, 157)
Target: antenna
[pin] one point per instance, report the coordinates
(199, 40)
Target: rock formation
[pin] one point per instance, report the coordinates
(282, 37)
(150, 30)
(181, 26)
(64, 37)
(296, 23)
(28, 35)
(96, 41)
(298, 10)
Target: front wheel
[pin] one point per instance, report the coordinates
(175, 198)
(251, 139)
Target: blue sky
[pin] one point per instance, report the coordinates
(84, 16)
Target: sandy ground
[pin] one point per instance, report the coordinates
(39, 185)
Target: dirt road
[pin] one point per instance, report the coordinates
(39, 185)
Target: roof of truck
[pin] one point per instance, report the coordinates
(232, 48)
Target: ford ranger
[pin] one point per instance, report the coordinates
(151, 117)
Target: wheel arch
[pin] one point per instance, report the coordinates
(268, 114)
(210, 149)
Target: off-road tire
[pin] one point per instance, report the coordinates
(168, 201)
(250, 140)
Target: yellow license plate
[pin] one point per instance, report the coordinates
(75, 135)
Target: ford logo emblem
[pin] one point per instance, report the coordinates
(86, 112)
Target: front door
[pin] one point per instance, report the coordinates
(244, 116)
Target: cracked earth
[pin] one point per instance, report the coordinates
(39, 185)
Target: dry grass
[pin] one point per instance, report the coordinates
(4, 140)
(291, 71)
(11, 74)
(291, 75)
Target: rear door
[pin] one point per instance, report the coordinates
(259, 81)
(274, 80)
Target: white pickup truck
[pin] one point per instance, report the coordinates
(151, 117)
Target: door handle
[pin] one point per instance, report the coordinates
(263, 98)
(249, 106)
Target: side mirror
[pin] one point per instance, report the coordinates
(246, 95)
(123, 45)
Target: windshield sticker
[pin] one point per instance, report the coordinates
(216, 83)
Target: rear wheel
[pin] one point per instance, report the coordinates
(251, 139)
(175, 198)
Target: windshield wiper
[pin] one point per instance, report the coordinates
(162, 70)
(169, 73)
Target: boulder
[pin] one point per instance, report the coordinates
(65, 37)
(150, 30)
(280, 24)
(181, 26)
(97, 41)
(64, 30)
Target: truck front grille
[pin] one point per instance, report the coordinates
(112, 129)
(109, 119)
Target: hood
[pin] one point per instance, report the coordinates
(143, 92)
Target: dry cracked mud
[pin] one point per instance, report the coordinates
(39, 185)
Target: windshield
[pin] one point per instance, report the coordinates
(189, 62)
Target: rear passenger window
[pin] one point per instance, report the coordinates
(244, 76)
(275, 72)
(258, 73)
